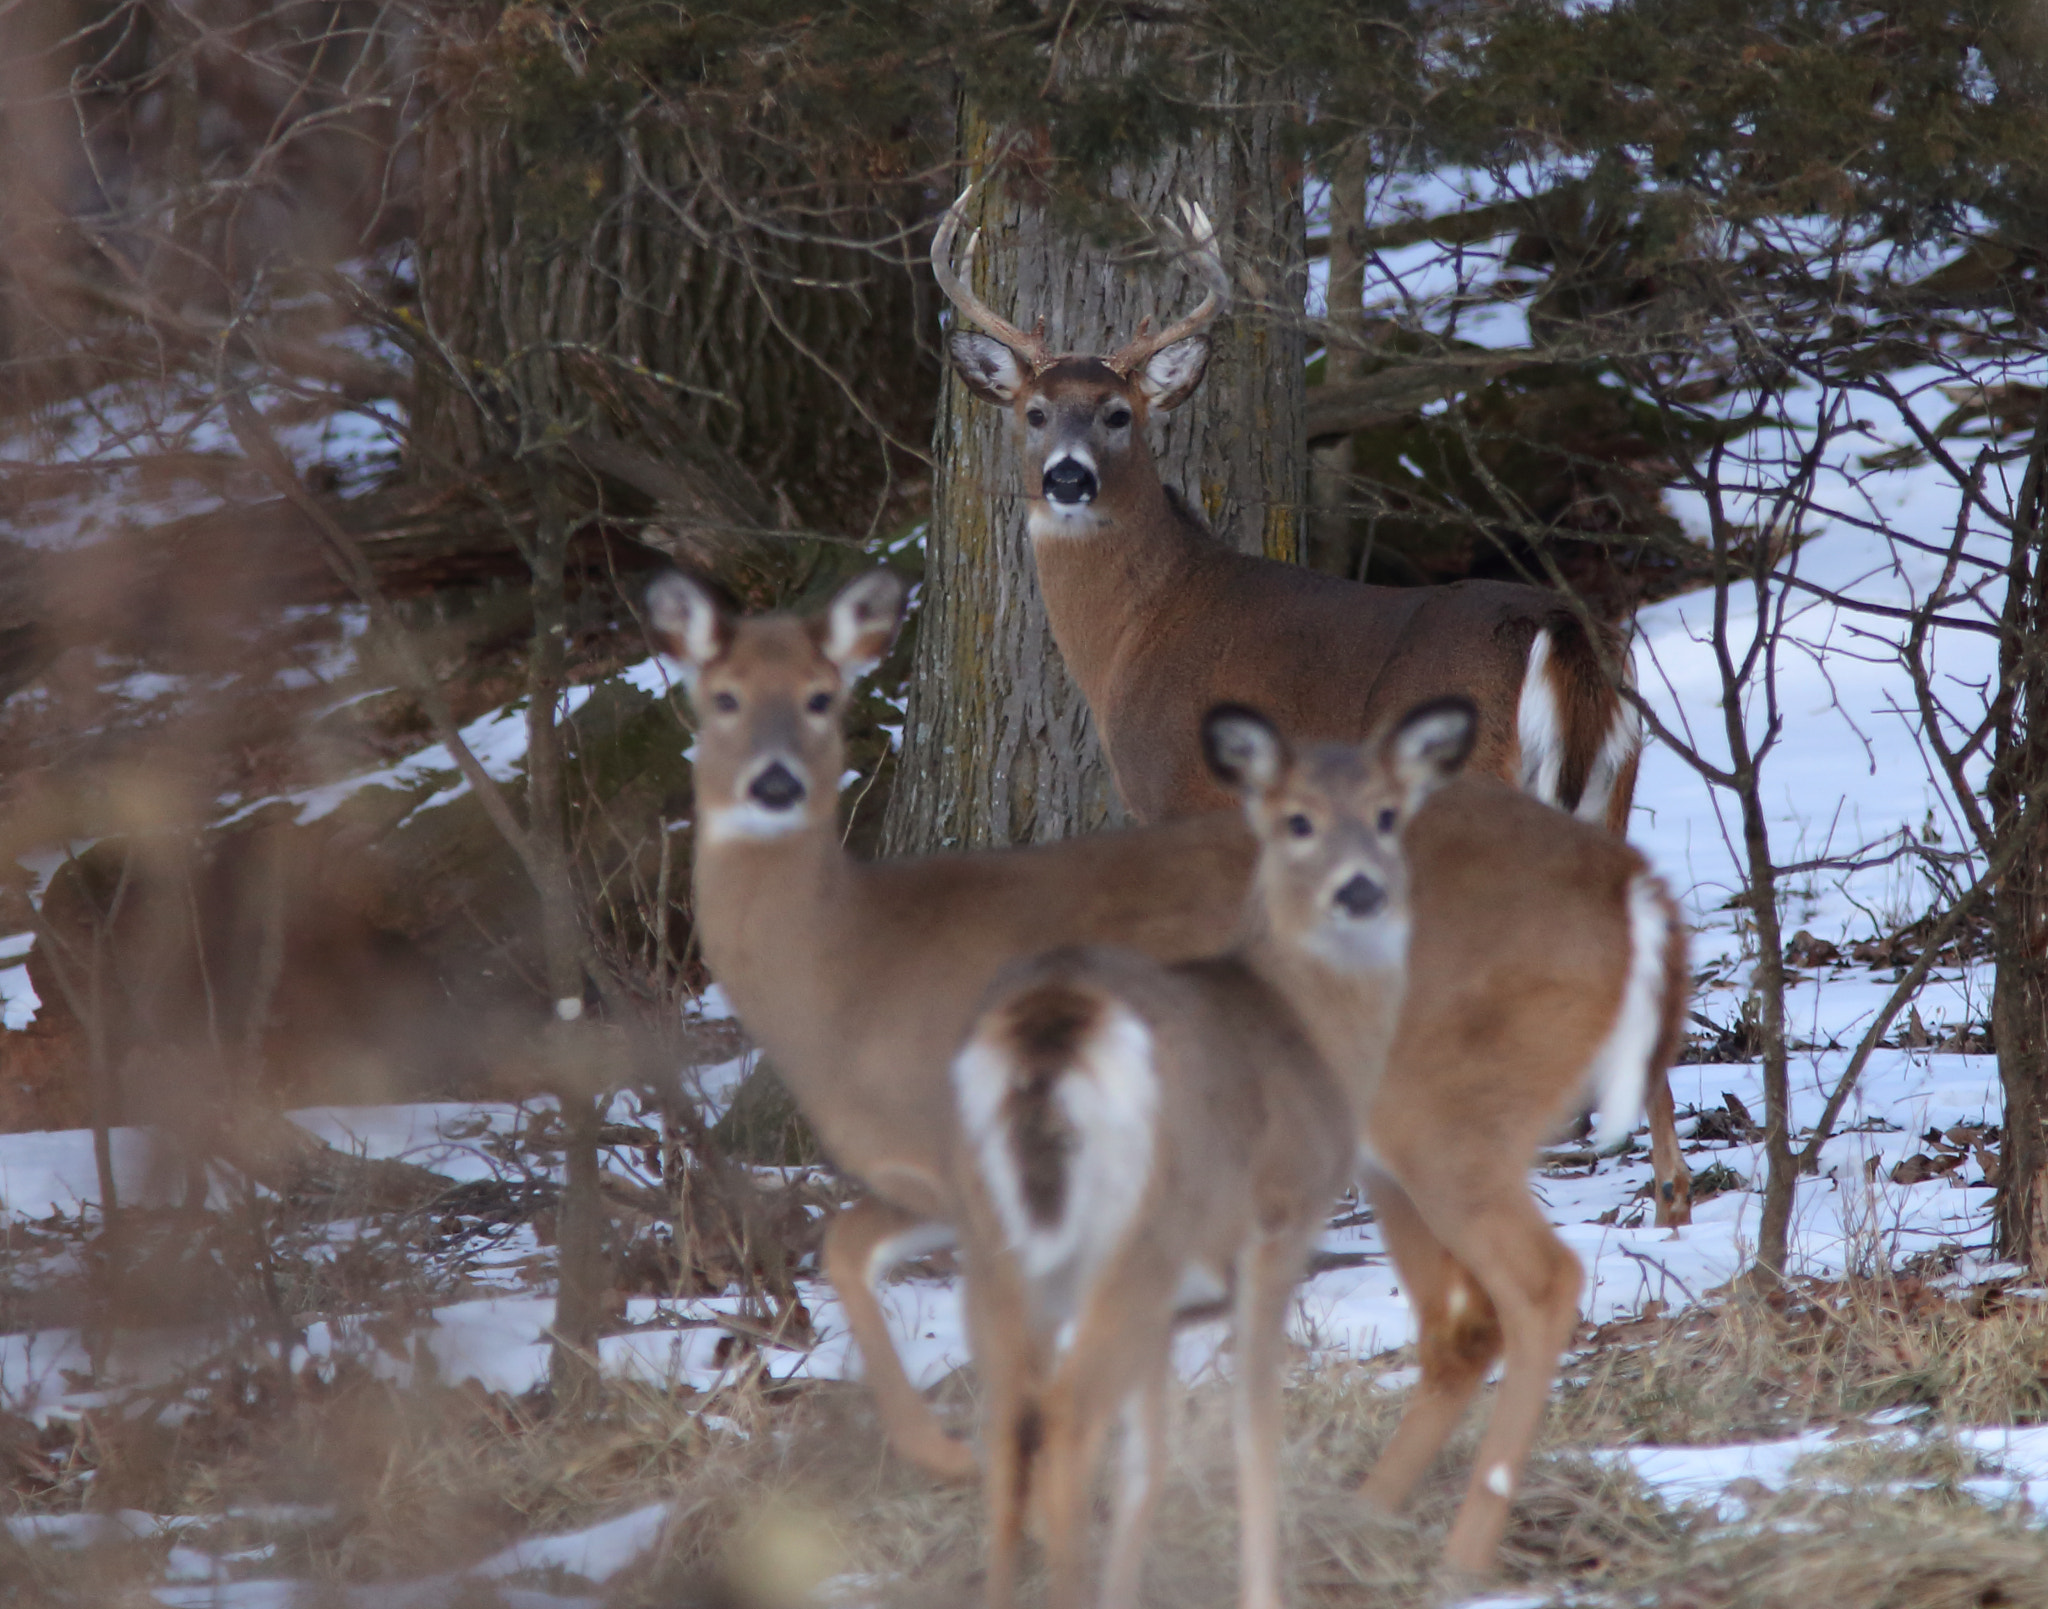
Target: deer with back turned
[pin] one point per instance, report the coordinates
(1158, 619)
(1130, 1129)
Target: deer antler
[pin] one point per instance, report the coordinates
(1207, 263)
(1031, 348)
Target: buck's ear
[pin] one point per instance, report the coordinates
(1244, 749)
(1430, 744)
(687, 622)
(1171, 374)
(991, 370)
(860, 622)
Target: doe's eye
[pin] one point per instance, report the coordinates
(1300, 825)
(1034, 417)
(725, 703)
(1117, 418)
(818, 703)
(1387, 820)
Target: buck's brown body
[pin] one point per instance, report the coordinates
(1196, 623)
(1157, 619)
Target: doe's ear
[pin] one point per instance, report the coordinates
(860, 622)
(1171, 374)
(990, 369)
(1431, 743)
(1244, 749)
(688, 623)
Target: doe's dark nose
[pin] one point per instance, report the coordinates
(1070, 481)
(1361, 896)
(778, 787)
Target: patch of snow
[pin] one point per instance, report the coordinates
(595, 1554)
(19, 1001)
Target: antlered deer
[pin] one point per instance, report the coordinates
(1158, 620)
(1128, 1125)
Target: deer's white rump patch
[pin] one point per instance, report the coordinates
(1109, 1100)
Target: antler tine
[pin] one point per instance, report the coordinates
(1031, 347)
(1206, 261)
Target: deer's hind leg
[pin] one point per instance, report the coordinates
(1494, 1230)
(1458, 1337)
(1118, 1354)
(861, 1242)
(1009, 1369)
(1667, 1159)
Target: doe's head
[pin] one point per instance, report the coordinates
(769, 694)
(1328, 818)
(1082, 414)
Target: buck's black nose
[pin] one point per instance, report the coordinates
(1361, 896)
(778, 787)
(1069, 481)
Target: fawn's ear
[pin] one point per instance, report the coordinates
(860, 622)
(990, 369)
(1171, 374)
(688, 623)
(1245, 751)
(1430, 745)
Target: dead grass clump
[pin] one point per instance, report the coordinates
(1813, 1353)
(1922, 1551)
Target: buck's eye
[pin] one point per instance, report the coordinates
(1387, 820)
(725, 703)
(818, 703)
(1034, 417)
(1300, 825)
(1117, 418)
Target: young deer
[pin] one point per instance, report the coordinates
(1158, 620)
(1126, 1125)
(859, 981)
(1545, 962)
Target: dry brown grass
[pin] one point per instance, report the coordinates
(794, 1488)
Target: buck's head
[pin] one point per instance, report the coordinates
(1328, 818)
(1082, 414)
(769, 695)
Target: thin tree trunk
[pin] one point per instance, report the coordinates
(1331, 546)
(2019, 1000)
(998, 747)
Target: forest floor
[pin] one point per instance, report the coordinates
(1877, 1432)
(375, 1427)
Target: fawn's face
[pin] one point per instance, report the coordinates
(1328, 817)
(769, 696)
(1083, 424)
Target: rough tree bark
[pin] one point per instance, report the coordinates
(998, 747)
(2019, 1000)
(673, 314)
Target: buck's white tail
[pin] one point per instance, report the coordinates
(1058, 1101)
(1621, 1067)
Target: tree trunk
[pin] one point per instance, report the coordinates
(998, 747)
(2019, 1000)
(765, 348)
(1331, 546)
